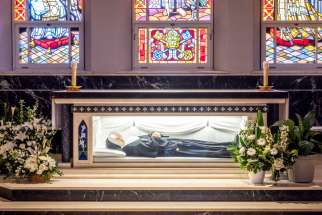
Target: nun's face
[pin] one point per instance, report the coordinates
(117, 138)
(156, 135)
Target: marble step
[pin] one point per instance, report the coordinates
(206, 208)
(153, 173)
(155, 190)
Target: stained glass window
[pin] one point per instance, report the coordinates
(163, 37)
(292, 45)
(173, 10)
(82, 141)
(49, 31)
(292, 10)
(298, 39)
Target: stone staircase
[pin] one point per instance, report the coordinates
(221, 190)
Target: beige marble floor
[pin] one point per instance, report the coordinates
(159, 184)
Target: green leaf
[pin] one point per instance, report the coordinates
(306, 147)
(300, 125)
(309, 120)
(260, 118)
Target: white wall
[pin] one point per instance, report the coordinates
(108, 47)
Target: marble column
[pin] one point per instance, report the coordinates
(67, 133)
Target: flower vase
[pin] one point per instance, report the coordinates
(256, 178)
(37, 179)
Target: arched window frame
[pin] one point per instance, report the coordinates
(272, 21)
(71, 25)
(136, 25)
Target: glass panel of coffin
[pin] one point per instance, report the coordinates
(164, 137)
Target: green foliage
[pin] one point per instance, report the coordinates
(302, 138)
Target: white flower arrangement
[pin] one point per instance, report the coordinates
(25, 141)
(252, 149)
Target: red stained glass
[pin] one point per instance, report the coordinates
(203, 55)
(268, 12)
(20, 10)
(142, 45)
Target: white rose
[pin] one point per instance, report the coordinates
(242, 151)
(251, 137)
(261, 142)
(31, 164)
(274, 151)
(278, 164)
(251, 152)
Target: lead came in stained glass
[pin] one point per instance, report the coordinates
(82, 141)
(172, 45)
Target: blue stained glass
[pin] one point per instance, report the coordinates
(48, 10)
(83, 141)
(76, 8)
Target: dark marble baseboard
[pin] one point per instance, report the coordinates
(161, 195)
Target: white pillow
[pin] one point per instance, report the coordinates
(103, 152)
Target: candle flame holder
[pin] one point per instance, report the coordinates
(73, 88)
(265, 88)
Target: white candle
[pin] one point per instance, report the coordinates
(74, 74)
(265, 73)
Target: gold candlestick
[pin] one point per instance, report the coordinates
(265, 86)
(73, 86)
(265, 73)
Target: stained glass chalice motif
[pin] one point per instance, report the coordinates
(173, 45)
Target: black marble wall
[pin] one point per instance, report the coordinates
(305, 91)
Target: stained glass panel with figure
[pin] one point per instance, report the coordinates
(173, 10)
(299, 10)
(76, 10)
(48, 10)
(48, 46)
